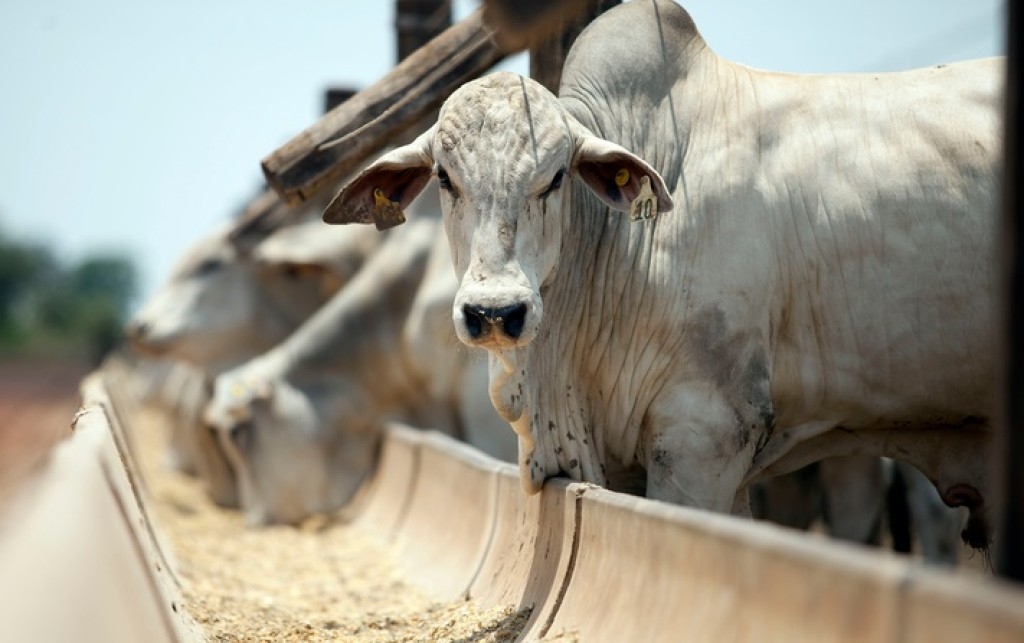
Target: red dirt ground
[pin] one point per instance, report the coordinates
(38, 400)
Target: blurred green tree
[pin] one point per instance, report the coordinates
(87, 306)
(106, 285)
(45, 307)
(24, 267)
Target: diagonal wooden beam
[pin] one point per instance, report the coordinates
(345, 137)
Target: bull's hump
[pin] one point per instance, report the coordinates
(635, 43)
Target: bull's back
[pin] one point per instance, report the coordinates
(883, 192)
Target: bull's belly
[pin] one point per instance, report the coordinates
(880, 386)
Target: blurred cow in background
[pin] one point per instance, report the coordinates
(301, 423)
(235, 294)
(863, 500)
(246, 287)
(177, 390)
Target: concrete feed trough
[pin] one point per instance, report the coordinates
(85, 558)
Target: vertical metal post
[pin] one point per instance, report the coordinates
(1009, 451)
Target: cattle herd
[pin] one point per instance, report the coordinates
(759, 293)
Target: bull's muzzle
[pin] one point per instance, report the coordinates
(481, 321)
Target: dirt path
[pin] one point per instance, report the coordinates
(38, 399)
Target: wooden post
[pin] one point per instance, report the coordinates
(266, 212)
(548, 56)
(335, 96)
(259, 219)
(417, 22)
(335, 145)
(521, 23)
(1009, 451)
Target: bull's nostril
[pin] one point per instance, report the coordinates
(512, 319)
(479, 320)
(476, 320)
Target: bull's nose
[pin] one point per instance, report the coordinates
(507, 319)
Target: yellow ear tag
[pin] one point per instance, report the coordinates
(622, 177)
(238, 391)
(645, 205)
(386, 213)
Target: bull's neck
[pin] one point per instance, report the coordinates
(580, 405)
(593, 370)
(359, 331)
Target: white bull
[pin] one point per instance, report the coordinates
(819, 281)
(301, 423)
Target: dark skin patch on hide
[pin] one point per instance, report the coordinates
(744, 378)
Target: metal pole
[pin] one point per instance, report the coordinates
(1009, 452)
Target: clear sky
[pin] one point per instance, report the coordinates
(139, 125)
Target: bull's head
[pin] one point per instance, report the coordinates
(230, 299)
(504, 151)
(289, 462)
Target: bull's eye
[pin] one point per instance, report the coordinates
(556, 183)
(297, 271)
(208, 266)
(443, 180)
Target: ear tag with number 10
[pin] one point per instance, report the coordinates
(645, 205)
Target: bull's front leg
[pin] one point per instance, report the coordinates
(699, 446)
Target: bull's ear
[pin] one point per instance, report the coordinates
(620, 178)
(381, 192)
